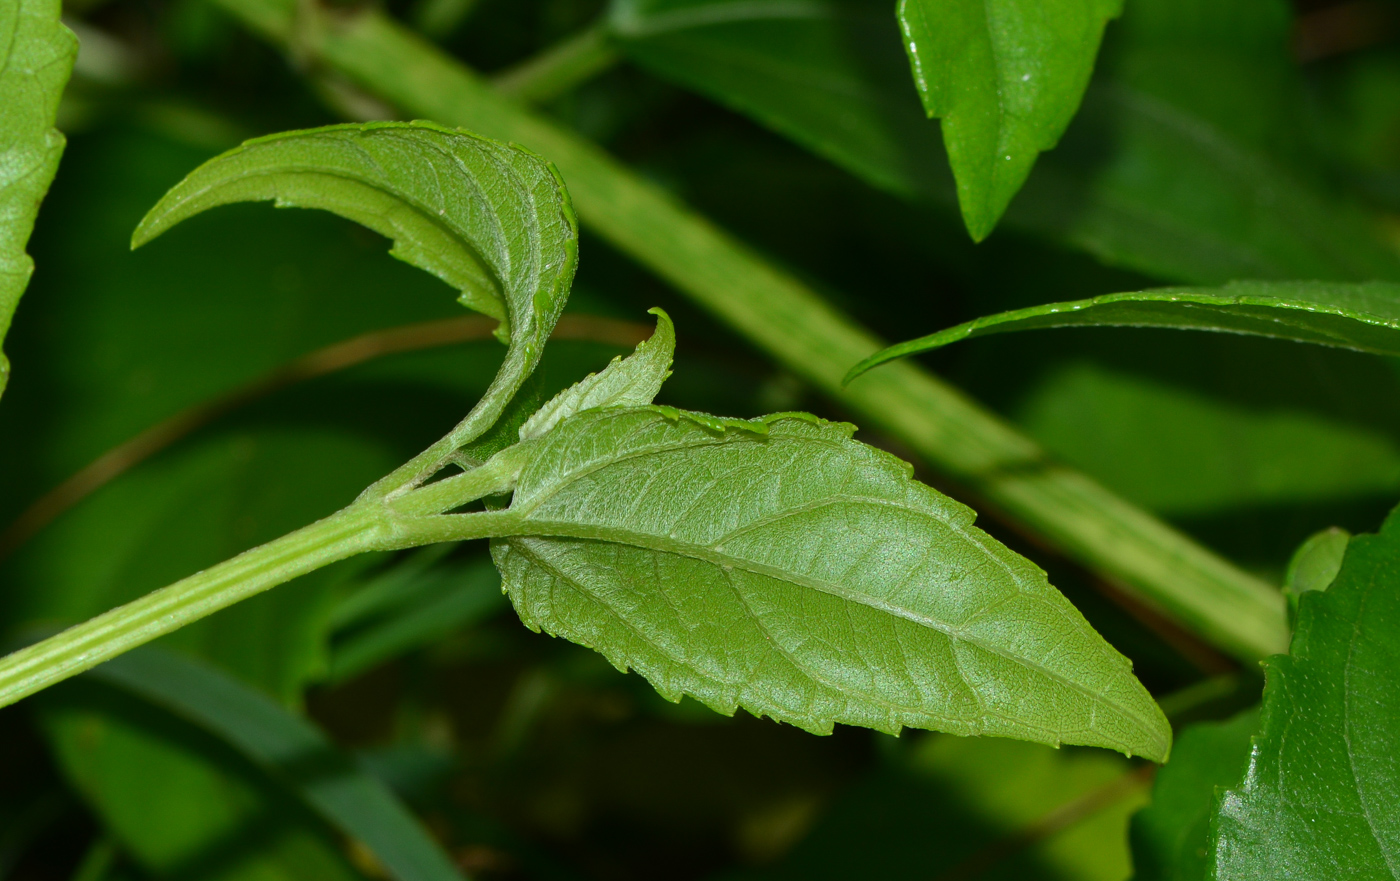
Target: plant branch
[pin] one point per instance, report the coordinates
(560, 68)
(362, 527)
(1226, 606)
(349, 532)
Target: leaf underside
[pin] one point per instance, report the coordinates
(36, 57)
(1363, 317)
(780, 566)
(491, 219)
(1005, 77)
(1318, 799)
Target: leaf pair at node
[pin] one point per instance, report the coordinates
(774, 564)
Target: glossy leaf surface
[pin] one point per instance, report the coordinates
(1362, 317)
(36, 57)
(779, 566)
(1319, 793)
(1171, 836)
(1005, 77)
(490, 219)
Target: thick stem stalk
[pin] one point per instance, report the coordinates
(1204, 592)
(79, 648)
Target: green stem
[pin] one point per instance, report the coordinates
(559, 69)
(408, 521)
(352, 531)
(1204, 592)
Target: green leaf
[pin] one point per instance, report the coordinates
(780, 566)
(1318, 795)
(1362, 317)
(1171, 836)
(630, 382)
(490, 219)
(130, 331)
(294, 752)
(1171, 167)
(1005, 77)
(36, 57)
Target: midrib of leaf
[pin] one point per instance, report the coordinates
(715, 555)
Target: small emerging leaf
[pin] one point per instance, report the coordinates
(1005, 77)
(491, 219)
(1364, 317)
(36, 57)
(629, 382)
(787, 569)
(1319, 796)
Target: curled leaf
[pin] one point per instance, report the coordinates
(491, 219)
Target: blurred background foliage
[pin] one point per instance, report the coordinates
(1219, 140)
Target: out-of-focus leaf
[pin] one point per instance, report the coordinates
(425, 608)
(36, 57)
(780, 566)
(179, 802)
(1171, 836)
(1363, 317)
(630, 382)
(829, 75)
(1318, 795)
(945, 807)
(1005, 78)
(1207, 454)
(293, 751)
(1167, 169)
(490, 219)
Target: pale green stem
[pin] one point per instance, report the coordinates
(376, 524)
(560, 68)
(86, 645)
(1228, 607)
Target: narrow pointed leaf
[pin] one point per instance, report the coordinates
(1005, 77)
(1319, 795)
(36, 57)
(1364, 317)
(780, 566)
(626, 382)
(491, 219)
